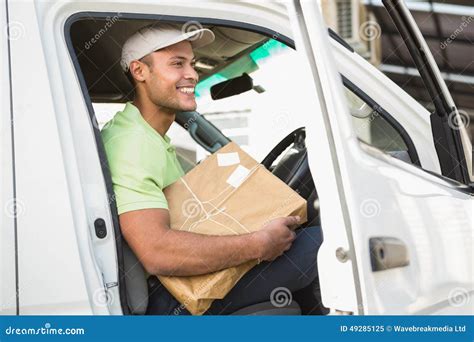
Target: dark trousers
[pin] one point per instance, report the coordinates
(294, 270)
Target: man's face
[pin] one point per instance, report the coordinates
(171, 79)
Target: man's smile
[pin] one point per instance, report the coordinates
(189, 90)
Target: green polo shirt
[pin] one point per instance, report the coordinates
(142, 162)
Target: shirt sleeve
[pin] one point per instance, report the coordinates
(137, 167)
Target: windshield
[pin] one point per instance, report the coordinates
(274, 71)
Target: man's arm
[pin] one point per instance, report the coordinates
(164, 251)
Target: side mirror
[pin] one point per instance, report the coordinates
(232, 87)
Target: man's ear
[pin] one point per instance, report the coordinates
(138, 70)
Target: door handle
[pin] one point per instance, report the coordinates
(387, 253)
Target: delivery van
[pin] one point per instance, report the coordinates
(389, 182)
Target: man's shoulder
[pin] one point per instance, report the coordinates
(121, 135)
(132, 144)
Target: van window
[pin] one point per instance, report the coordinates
(258, 119)
(371, 128)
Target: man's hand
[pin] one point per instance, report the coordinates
(276, 237)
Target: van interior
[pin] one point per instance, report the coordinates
(226, 68)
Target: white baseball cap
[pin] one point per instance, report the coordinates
(155, 37)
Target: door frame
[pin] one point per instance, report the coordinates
(12, 207)
(447, 139)
(100, 148)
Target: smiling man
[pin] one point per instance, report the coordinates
(159, 60)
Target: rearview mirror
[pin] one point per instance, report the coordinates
(232, 87)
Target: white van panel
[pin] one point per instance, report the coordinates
(8, 303)
(51, 277)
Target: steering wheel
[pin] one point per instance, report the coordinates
(293, 168)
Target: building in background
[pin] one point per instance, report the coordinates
(356, 25)
(448, 27)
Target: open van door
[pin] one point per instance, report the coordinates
(449, 134)
(405, 234)
(12, 207)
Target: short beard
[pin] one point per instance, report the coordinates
(170, 105)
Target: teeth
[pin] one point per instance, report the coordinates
(186, 90)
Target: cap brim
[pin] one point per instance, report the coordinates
(199, 38)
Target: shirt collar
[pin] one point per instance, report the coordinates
(132, 112)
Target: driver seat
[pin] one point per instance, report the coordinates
(137, 291)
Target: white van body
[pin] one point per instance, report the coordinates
(53, 188)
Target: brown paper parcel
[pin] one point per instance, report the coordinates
(228, 193)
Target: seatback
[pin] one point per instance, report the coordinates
(135, 282)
